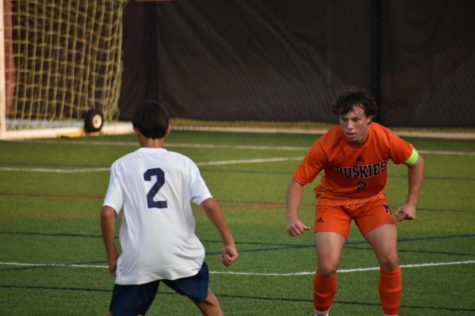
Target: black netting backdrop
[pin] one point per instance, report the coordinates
(428, 63)
(280, 60)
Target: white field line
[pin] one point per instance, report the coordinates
(447, 152)
(403, 266)
(204, 163)
(222, 146)
(103, 169)
(95, 266)
(54, 170)
(246, 161)
(173, 145)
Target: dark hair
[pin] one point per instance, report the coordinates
(151, 119)
(355, 96)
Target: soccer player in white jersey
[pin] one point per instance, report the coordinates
(154, 188)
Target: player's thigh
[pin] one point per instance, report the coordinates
(194, 287)
(373, 215)
(329, 248)
(383, 240)
(211, 305)
(335, 219)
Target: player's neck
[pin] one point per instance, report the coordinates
(152, 142)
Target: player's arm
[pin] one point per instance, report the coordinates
(294, 196)
(108, 236)
(214, 213)
(415, 177)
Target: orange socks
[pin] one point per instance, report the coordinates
(390, 285)
(323, 292)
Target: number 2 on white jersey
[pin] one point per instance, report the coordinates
(160, 181)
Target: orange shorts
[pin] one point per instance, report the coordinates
(367, 216)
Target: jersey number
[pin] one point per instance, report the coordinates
(160, 176)
(361, 186)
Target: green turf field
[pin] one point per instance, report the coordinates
(52, 260)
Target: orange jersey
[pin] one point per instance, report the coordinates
(352, 174)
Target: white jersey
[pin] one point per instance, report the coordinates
(155, 187)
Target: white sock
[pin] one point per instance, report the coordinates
(319, 313)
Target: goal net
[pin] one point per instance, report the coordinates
(61, 59)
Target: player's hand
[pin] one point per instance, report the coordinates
(112, 262)
(229, 254)
(113, 268)
(295, 227)
(405, 212)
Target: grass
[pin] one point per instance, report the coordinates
(52, 260)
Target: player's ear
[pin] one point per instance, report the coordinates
(369, 119)
(136, 131)
(169, 129)
(138, 135)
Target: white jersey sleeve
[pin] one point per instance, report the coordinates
(199, 190)
(114, 195)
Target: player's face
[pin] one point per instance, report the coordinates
(355, 125)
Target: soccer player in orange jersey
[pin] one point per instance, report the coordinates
(354, 156)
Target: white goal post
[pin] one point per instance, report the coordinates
(3, 122)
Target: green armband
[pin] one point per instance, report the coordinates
(412, 158)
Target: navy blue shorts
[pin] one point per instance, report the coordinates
(133, 300)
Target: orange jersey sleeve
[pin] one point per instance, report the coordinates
(352, 172)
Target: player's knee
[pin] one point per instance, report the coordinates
(326, 271)
(211, 307)
(389, 262)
